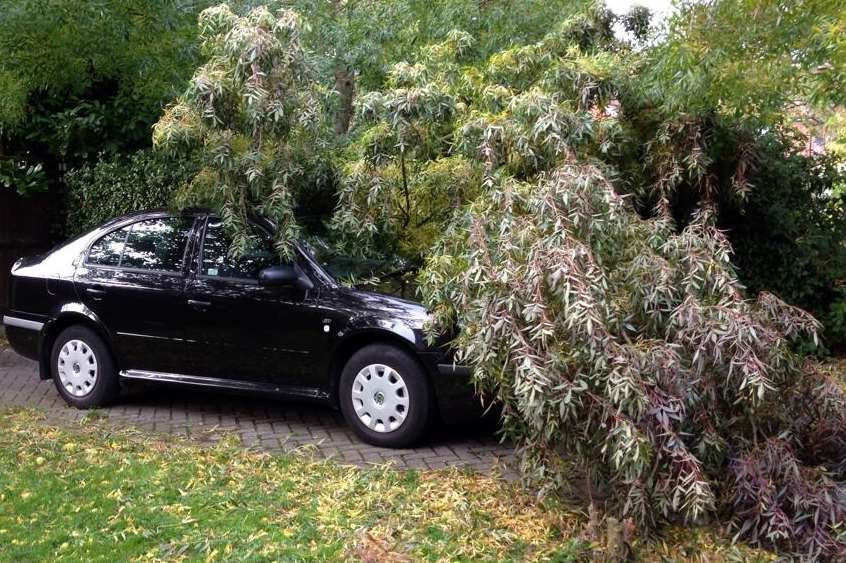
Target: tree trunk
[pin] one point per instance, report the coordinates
(345, 86)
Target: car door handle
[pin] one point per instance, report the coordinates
(96, 294)
(199, 304)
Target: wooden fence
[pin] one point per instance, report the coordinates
(25, 228)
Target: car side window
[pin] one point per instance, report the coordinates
(108, 250)
(218, 262)
(154, 244)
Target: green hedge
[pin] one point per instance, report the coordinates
(789, 237)
(121, 185)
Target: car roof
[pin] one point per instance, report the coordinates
(187, 212)
(190, 212)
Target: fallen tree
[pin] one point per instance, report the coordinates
(617, 340)
(619, 345)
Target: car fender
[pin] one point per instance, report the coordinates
(366, 329)
(62, 318)
(76, 308)
(391, 329)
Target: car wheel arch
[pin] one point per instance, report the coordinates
(355, 342)
(53, 328)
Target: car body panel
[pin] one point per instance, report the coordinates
(255, 333)
(143, 312)
(213, 332)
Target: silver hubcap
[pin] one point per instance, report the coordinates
(380, 398)
(77, 368)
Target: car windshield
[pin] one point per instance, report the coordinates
(338, 266)
(382, 275)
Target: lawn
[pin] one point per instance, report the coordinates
(87, 491)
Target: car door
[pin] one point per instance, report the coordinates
(133, 279)
(241, 330)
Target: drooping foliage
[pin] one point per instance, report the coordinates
(401, 177)
(250, 112)
(423, 140)
(614, 332)
(629, 348)
(563, 192)
(427, 124)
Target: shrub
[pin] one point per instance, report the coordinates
(631, 349)
(121, 185)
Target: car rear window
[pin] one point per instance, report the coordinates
(154, 244)
(107, 250)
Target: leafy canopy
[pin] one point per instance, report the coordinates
(562, 193)
(750, 58)
(343, 31)
(424, 141)
(624, 343)
(79, 78)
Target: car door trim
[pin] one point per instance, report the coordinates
(156, 337)
(219, 383)
(18, 322)
(192, 341)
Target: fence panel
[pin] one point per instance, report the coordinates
(24, 229)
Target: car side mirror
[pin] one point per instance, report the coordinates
(283, 274)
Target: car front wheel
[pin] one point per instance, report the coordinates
(82, 368)
(385, 396)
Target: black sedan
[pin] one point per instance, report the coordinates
(157, 296)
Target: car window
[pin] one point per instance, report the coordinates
(157, 244)
(154, 244)
(218, 262)
(107, 251)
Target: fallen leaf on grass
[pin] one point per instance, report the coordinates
(372, 550)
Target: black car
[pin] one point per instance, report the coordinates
(157, 296)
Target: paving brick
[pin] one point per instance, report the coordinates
(262, 424)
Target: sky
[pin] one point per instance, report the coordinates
(660, 9)
(623, 6)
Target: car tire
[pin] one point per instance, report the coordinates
(83, 369)
(385, 396)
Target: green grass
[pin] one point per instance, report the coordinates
(86, 491)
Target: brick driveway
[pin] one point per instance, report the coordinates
(260, 423)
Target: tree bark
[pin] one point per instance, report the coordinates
(345, 86)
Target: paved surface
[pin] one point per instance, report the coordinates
(263, 424)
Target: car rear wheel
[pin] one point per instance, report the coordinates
(385, 396)
(82, 368)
